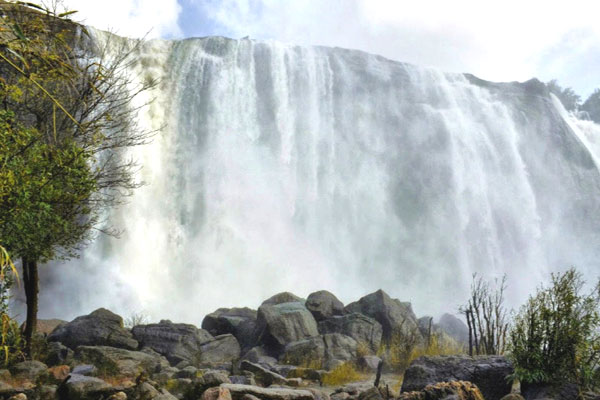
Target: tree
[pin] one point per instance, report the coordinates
(592, 106)
(556, 335)
(567, 96)
(67, 115)
(486, 317)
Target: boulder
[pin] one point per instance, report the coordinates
(80, 387)
(144, 391)
(100, 328)
(459, 390)
(259, 355)
(339, 347)
(541, 391)
(59, 373)
(454, 327)
(425, 324)
(58, 354)
(487, 372)
(216, 393)
(366, 331)
(393, 315)
(240, 322)
(177, 342)
(323, 304)
(118, 396)
(309, 353)
(45, 327)
(29, 370)
(85, 369)
(262, 375)
(368, 363)
(214, 378)
(238, 391)
(284, 297)
(280, 324)
(371, 394)
(223, 349)
(112, 361)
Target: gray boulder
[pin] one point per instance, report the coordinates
(30, 370)
(238, 392)
(454, 327)
(222, 349)
(262, 375)
(284, 297)
(395, 317)
(79, 387)
(368, 363)
(240, 322)
(339, 347)
(280, 324)
(58, 354)
(323, 304)
(100, 328)
(112, 361)
(487, 372)
(259, 355)
(366, 331)
(315, 352)
(177, 342)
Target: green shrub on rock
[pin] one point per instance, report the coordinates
(556, 335)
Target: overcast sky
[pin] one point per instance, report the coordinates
(495, 40)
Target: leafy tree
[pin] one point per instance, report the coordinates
(556, 334)
(592, 106)
(10, 335)
(567, 96)
(68, 113)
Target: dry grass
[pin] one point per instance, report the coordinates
(342, 374)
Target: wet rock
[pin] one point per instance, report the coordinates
(487, 372)
(366, 331)
(280, 324)
(177, 342)
(284, 297)
(112, 361)
(240, 322)
(393, 315)
(238, 391)
(100, 328)
(323, 304)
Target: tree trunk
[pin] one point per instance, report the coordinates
(30, 281)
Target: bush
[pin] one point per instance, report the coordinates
(342, 374)
(556, 335)
(11, 342)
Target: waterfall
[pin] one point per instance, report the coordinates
(288, 168)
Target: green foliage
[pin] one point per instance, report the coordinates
(556, 334)
(11, 343)
(567, 96)
(42, 188)
(592, 106)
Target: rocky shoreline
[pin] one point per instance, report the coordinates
(288, 349)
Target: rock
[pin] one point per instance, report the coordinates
(487, 372)
(340, 396)
(29, 370)
(183, 388)
(454, 327)
(539, 391)
(189, 372)
(339, 347)
(424, 324)
(323, 304)
(216, 393)
(165, 395)
(45, 392)
(85, 369)
(306, 373)
(100, 328)
(309, 353)
(458, 390)
(80, 387)
(214, 378)
(249, 397)
(238, 391)
(59, 373)
(513, 396)
(177, 342)
(223, 349)
(284, 297)
(368, 363)
(118, 396)
(165, 374)
(58, 354)
(393, 315)
(242, 379)
(366, 331)
(262, 375)
(318, 394)
(240, 322)
(145, 391)
(371, 394)
(259, 355)
(280, 324)
(44, 327)
(112, 361)
(18, 396)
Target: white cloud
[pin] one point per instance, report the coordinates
(505, 41)
(132, 18)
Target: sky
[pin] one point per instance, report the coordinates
(496, 40)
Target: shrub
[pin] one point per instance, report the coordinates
(342, 374)
(11, 342)
(556, 334)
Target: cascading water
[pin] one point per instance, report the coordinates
(301, 168)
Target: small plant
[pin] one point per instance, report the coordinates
(135, 319)
(398, 350)
(342, 374)
(556, 334)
